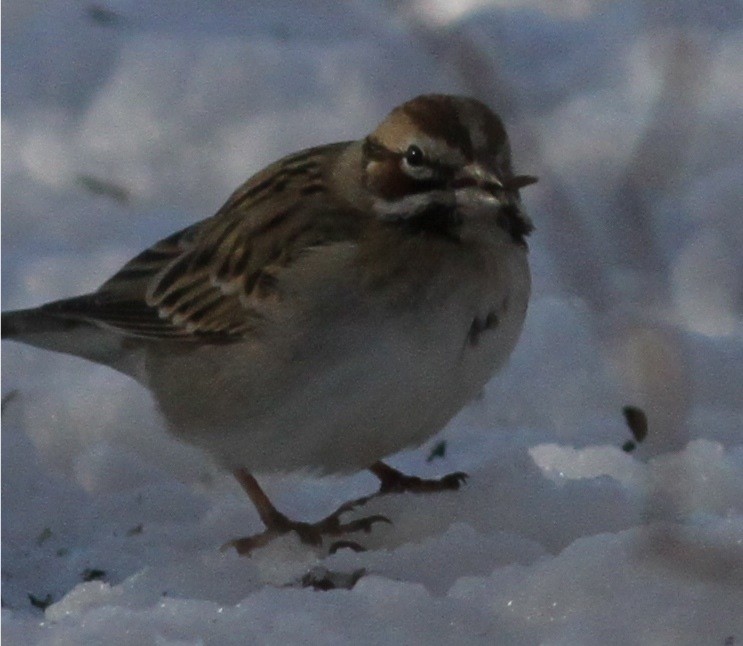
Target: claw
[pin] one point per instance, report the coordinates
(392, 480)
(454, 480)
(311, 533)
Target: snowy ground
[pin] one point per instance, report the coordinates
(124, 120)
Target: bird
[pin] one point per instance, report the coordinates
(342, 305)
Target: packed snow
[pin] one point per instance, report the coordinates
(125, 120)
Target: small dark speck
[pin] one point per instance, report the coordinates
(321, 578)
(136, 530)
(41, 604)
(637, 422)
(98, 186)
(43, 536)
(7, 398)
(438, 451)
(629, 446)
(730, 640)
(102, 15)
(92, 574)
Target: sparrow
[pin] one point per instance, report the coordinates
(344, 304)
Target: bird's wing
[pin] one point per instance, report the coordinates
(214, 280)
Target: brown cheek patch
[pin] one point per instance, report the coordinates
(391, 183)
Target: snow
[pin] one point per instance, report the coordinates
(631, 114)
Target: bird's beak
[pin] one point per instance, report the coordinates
(474, 175)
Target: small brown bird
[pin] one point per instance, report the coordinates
(344, 304)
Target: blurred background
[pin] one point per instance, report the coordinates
(125, 120)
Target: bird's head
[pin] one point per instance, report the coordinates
(437, 161)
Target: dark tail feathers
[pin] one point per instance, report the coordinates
(21, 323)
(42, 329)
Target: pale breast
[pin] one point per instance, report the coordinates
(350, 376)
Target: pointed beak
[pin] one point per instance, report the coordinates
(518, 182)
(474, 175)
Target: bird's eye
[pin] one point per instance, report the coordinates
(414, 156)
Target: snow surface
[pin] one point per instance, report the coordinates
(125, 120)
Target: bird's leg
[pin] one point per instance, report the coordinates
(277, 523)
(393, 481)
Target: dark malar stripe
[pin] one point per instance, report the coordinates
(436, 220)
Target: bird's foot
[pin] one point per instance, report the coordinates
(393, 481)
(311, 533)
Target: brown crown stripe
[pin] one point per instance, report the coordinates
(439, 117)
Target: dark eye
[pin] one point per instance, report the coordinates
(414, 156)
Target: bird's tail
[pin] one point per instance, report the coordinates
(43, 329)
(26, 325)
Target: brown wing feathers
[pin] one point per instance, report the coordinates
(210, 281)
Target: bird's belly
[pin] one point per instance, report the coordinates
(361, 390)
